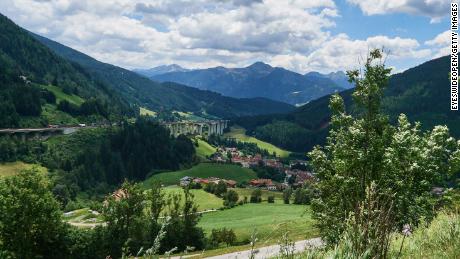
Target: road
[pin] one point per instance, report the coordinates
(267, 251)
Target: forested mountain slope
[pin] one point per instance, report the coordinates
(26, 66)
(422, 93)
(145, 92)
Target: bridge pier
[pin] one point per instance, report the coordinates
(196, 128)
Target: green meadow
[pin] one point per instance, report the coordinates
(240, 134)
(204, 170)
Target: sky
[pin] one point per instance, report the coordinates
(300, 35)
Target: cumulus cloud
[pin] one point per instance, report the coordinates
(435, 9)
(341, 52)
(201, 33)
(441, 44)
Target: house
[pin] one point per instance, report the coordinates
(271, 187)
(230, 183)
(185, 181)
(201, 181)
(261, 182)
(273, 163)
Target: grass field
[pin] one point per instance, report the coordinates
(240, 134)
(204, 200)
(60, 95)
(270, 221)
(204, 149)
(204, 170)
(12, 168)
(147, 112)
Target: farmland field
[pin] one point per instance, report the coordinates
(204, 170)
(240, 134)
(270, 220)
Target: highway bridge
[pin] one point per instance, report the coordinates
(208, 127)
(38, 133)
(204, 128)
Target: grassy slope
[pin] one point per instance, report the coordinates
(205, 201)
(226, 171)
(270, 220)
(60, 95)
(147, 112)
(12, 168)
(240, 134)
(204, 149)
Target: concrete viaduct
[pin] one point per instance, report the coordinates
(197, 127)
(37, 133)
(176, 128)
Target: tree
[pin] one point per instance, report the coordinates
(256, 196)
(221, 188)
(156, 198)
(287, 193)
(30, 219)
(182, 229)
(223, 235)
(301, 196)
(125, 218)
(230, 198)
(271, 199)
(365, 152)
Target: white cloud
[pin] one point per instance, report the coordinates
(440, 44)
(341, 52)
(435, 9)
(201, 33)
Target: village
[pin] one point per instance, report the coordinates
(295, 173)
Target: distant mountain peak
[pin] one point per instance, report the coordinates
(159, 70)
(260, 66)
(338, 77)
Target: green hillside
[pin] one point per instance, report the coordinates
(204, 170)
(422, 93)
(240, 134)
(204, 200)
(62, 96)
(204, 149)
(27, 71)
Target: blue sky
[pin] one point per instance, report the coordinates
(301, 35)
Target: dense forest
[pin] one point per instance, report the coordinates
(421, 93)
(96, 160)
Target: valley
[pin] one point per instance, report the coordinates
(190, 138)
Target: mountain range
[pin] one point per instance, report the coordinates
(422, 93)
(256, 80)
(46, 63)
